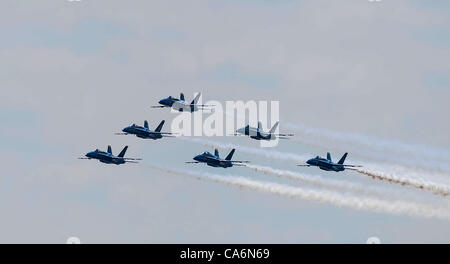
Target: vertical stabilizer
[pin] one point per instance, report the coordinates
(230, 156)
(122, 153)
(341, 161)
(160, 126)
(197, 97)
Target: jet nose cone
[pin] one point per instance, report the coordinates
(197, 158)
(163, 102)
(125, 129)
(309, 162)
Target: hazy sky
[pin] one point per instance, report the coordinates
(74, 73)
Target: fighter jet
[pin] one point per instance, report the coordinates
(144, 132)
(328, 165)
(109, 158)
(259, 134)
(216, 161)
(181, 105)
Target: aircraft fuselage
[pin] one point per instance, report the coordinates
(142, 132)
(178, 105)
(255, 133)
(325, 165)
(105, 157)
(213, 161)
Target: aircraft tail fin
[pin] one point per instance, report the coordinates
(160, 126)
(341, 161)
(182, 96)
(259, 125)
(272, 130)
(328, 156)
(230, 156)
(146, 124)
(122, 153)
(216, 152)
(197, 97)
(109, 149)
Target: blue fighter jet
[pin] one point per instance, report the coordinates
(216, 161)
(327, 164)
(109, 158)
(181, 105)
(144, 132)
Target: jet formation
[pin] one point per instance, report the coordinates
(179, 104)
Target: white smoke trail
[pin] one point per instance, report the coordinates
(405, 177)
(418, 183)
(368, 204)
(256, 151)
(412, 155)
(319, 181)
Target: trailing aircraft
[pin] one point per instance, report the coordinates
(216, 161)
(327, 164)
